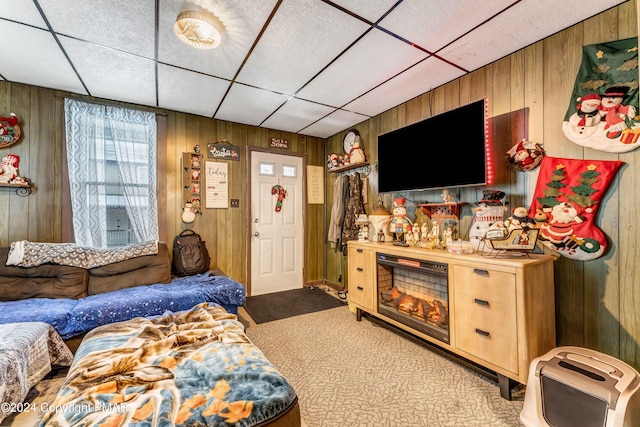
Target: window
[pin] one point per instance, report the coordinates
(111, 155)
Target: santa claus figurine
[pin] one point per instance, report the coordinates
(9, 168)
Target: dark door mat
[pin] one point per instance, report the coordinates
(280, 305)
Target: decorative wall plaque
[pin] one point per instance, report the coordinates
(223, 150)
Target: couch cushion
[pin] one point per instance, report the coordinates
(143, 270)
(43, 281)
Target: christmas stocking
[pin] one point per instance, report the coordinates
(568, 193)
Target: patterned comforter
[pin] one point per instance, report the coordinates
(24, 253)
(27, 354)
(190, 368)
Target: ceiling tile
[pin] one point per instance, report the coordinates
(482, 47)
(112, 74)
(249, 105)
(21, 11)
(296, 114)
(204, 92)
(242, 21)
(421, 22)
(36, 59)
(425, 76)
(368, 63)
(119, 24)
(288, 55)
(371, 10)
(335, 122)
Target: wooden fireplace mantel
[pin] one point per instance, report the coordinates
(501, 309)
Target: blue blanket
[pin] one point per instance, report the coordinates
(191, 368)
(72, 317)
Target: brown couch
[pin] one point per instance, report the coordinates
(59, 281)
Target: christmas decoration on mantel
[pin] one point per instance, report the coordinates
(9, 130)
(281, 192)
(603, 109)
(565, 205)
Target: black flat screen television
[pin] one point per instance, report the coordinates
(443, 151)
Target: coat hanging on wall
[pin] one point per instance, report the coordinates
(603, 108)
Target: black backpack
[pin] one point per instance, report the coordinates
(190, 254)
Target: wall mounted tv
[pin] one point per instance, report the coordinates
(443, 151)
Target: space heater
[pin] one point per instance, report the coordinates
(578, 387)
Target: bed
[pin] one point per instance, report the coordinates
(189, 368)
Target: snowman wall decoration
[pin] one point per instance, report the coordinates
(602, 113)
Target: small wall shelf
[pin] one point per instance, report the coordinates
(454, 207)
(192, 180)
(22, 190)
(350, 167)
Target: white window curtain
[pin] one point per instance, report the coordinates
(133, 134)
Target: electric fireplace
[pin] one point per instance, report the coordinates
(414, 293)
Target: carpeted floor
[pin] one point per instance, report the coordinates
(281, 305)
(350, 373)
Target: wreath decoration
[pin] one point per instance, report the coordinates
(9, 130)
(281, 192)
(525, 155)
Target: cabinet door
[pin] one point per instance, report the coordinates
(361, 278)
(485, 315)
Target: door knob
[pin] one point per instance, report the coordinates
(256, 234)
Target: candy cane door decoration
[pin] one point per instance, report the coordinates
(277, 233)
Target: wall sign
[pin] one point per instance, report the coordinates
(315, 185)
(217, 185)
(223, 151)
(279, 143)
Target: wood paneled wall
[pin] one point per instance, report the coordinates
(39, 217)
(597, 302)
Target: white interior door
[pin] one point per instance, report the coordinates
(277, 232)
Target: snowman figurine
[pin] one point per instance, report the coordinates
(188, 215)
(399, 225)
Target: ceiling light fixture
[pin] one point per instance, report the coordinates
(198, 28)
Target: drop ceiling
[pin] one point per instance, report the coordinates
(314, 67)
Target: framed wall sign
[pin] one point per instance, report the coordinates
(223, 151)
(217, 185)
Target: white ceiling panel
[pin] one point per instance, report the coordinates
(112, 74)
(288, 55)
(249, 105)
(422, 21)
(371, 10)
(425, 76)
(371, 61)
(21, 11)
(119, 24)
(242, 21)
(283, 64)
(481, 46)
(205, 92)
(296, 114)
(335, 122)
(33, 57)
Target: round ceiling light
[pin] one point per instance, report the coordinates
(201, 30)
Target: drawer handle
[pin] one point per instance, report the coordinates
(480, 272)
(481, 302)
(360, 269)
(360, 288)
(481, 332)
(359, 251)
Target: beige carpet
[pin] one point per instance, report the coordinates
(350, 373)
